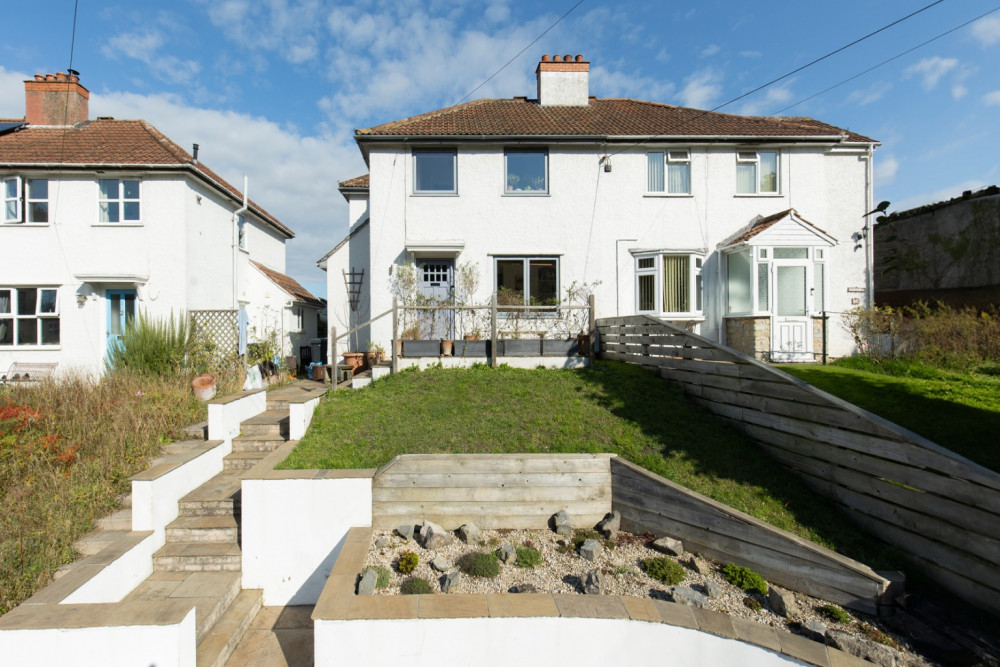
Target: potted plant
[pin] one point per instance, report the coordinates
(355, 360)
(446, 347)
(376, 353)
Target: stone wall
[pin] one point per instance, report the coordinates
(750, 335)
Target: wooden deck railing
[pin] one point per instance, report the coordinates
(940, 509)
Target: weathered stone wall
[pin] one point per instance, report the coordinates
(750, 335)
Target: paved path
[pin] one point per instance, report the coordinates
(278, 637)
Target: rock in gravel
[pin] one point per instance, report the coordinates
(866, 649)
(591, 549)
(700, 566)
(782, 602)
(469, 533)
(367, 584)
(562, 522)
(433, 535)
(405, 531)
(813, 630)
(610, 524)
(507, 554)
(669, 546)
(689, 596)
(714, 589)
(523, 588)
(441, 564)
(382, 542)
(594, 583)
(451, 581)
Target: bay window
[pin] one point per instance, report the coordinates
(786, 281)
(668, 283)
(527, 281)
(29, 316)
(756, 172)
(668, 172)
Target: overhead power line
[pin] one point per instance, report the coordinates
(884, 62)
(545, 32)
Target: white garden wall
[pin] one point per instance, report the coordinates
(226, 414)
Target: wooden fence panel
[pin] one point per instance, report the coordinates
(940, 509)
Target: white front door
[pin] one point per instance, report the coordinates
(791, 338)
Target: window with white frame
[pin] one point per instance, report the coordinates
(756, 172)
(434, 171)
(757, 279)
(668, 283)
(29, 316)
(526, 171)
(668, 172)
(527, 281)
(241, 232)
(25, 200)
(297, 318)
(118, 200)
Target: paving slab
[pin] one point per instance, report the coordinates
(278, 637)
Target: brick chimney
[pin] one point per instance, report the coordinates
(563, 81)
(56, 99)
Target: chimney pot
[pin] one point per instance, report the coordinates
(50, 77)
(546, 58)
(579, 58)
(60, 76)
(55, 99)
(568, 57)
(39, 77)
(557, 58)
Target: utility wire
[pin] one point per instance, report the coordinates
(72, 42)
(822, 58)
(884, 62)
(545, 32)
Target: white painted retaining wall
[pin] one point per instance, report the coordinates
(118, 578)
(300, 416)
(483, 642)
(107, 646)
(294, 523)
(155, 496)
(226, 414)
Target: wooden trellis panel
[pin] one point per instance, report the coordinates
(218, 326)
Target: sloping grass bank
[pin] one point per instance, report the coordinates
(958, 410)
(67, 451)
(612, 407)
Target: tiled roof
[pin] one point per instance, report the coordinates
(108, 142)
(765, 223)
(356, 182)
(600, 118)
(288, 284)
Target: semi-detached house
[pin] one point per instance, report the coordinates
(745, 229)
(103, 219)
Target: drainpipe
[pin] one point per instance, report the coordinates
(618, 287)
(869, 241)
(236, 240)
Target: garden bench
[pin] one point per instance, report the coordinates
(23, 371)
(510, 333)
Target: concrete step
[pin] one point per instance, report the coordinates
(198, 557)
(203, 529)
(269, 422)
(220, 642)
(257, 443)
(125, 500)
(219, 496)
(94, 542)
(210, 593)
(241, 461)
(120, 520)
(197, 431)
(277, 404)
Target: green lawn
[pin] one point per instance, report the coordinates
(610, 408)
(960, 411)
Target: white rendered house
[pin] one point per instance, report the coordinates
(104, 219)
(745, 229)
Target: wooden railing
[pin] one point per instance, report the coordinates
(940, 509)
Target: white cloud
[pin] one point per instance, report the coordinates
(701, 89)
(931, 70)
(873, 93)
(710, 50)
(958, 91)
(12, 93)
(774, 98)
(751, 54)
(992, 99)
(662, 56)
(145, 46)
(605, 82)
(886, 169)
(942, 194)
(987, 30)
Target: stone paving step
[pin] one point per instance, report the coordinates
(277, 404)
(198, 557)
(269, 422)
(257, 443)
(203, 529)
(95, 541)
(211, 593)
(220, 642)
(120, 520)
(197, 431)
(219, 496)
(240, 461)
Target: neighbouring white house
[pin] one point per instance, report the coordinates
(745, 229)
(105, 219)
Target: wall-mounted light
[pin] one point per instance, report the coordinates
(606, 161)
(81, 299)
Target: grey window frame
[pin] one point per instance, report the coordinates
(416, 152)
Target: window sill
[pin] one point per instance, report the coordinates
(244, 251)
(25, 224)
(433, 194)
(30, 348)
(506, 193)
(680, 195)
(117, 224)
(758, 195)
(687, 317)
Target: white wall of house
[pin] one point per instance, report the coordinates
(591, 219)
(355, 255)
(178, 257)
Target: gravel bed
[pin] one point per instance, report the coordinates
(564, 571)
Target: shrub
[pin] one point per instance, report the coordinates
(752, 603)
(527, 556)
(745, 578)
(479, 564)
(415, 586)
(407, 562)
(580, 536)
(664, 569)
(381, 576)
(834, 613)
(152, 346)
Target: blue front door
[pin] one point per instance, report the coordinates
(121, 313)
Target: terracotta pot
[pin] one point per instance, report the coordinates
(471, 337)
(204, 387)
(356, 360)
(446, 348)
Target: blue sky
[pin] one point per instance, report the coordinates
(275, 88)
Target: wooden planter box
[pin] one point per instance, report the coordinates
(472, 348)
(421, 348)
(559, 348)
